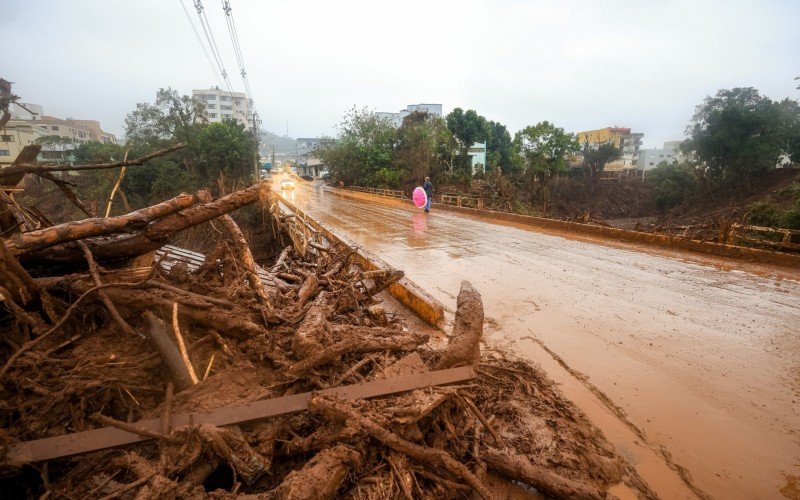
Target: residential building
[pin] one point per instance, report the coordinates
(307, 163)
(651, 158)
(477, 154)
(397, 118)
(621, 137)
(13, 137)
(79, 131)
(223, 105)
(25, 111)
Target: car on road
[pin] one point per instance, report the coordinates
(287, 184)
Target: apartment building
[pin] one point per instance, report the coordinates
(397, 118)
(223, 105)
(621, 137)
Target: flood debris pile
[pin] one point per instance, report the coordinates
(134, 349)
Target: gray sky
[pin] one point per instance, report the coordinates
(579, 64)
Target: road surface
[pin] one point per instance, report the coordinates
(692, 370)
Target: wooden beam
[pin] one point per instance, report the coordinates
(111, 437)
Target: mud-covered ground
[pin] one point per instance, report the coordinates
(506, 431)
(695, 357)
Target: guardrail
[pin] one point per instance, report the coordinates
(461, 200)
(781, 239)
(457, 200)
(382, 192)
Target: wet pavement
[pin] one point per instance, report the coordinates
(692, 370)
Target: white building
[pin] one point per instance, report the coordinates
(223, 105)
(650, 158)
(25, 111)
(397, 118)
(477, 156)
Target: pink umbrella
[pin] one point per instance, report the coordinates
(419, 197)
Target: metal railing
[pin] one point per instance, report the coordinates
(382, 192)
(461, 200)
(775, 238)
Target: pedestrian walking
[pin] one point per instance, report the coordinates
(428, 187)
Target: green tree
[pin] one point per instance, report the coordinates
(467, 128)
(673, 184)
(226, 149)
(362, 148)
(171, 117)
(545, 149)
(597, 156)
(423, 147)
(502, 149)
(738, 135)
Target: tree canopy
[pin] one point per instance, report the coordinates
(362, 148)
(739, 134)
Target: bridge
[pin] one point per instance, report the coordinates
(687, 363)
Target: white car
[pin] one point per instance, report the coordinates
(287, 184)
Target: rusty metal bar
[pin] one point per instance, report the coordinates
(111, 437)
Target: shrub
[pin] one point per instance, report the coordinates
(673, 184)
(791, 218)
(764, 213)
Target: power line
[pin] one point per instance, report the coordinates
(200, 41)
(237, 50)
(212, 43)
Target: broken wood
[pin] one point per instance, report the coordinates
(169, 352)
(110, 437)
(320, 477)
(464, 346)
(87, 228)
(331, 408)
(519, 468)
(155, 235)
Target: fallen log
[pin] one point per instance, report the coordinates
(320, 477)
(97, 226)
(159, 338)
(155, 235)
(519, 468)
(356, 343)
(464, 346)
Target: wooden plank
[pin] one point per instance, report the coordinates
(111, 437)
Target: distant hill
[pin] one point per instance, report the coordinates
(284, 145)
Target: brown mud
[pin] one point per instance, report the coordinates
(116, 345)
(688, 363)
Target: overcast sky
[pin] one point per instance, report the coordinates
(579, 64)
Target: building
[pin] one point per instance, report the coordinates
(307, 163)
(477, 156)
(25, 111)
(651, 158)
(397, 118)
(13, 137)
(621, 137)
(223, 105)
(78, 131)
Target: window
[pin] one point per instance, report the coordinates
(224, 107)
(5, 152)
(211, 97)
(54, 127)
(6, 138)
(226, 116)
(211, 106)
(651, 163)
(212, 115)
(224, 98)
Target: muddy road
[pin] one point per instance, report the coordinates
(690, 368)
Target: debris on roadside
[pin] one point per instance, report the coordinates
(130, 371)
